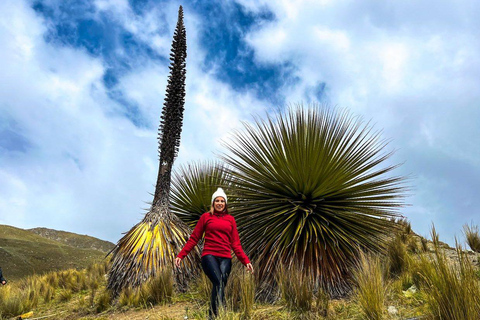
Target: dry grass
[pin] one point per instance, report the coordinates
(370, 289)
(240, 291)
(296, 288)
(452, 287)
(472, 236)
(397, 257)
(157, 290)
(80, 294)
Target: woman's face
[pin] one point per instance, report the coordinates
(219, 203)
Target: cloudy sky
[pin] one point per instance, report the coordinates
(82, 84)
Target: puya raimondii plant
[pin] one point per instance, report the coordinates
(151, 245)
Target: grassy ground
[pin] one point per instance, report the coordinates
(24, 253)
(410, 282)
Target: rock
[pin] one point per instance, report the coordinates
(392, 310)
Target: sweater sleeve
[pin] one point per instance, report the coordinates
(236, 246)
(194, 238)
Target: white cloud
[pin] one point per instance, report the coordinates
(413, 68)
(81, 165)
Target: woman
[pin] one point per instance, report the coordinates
(221, 236)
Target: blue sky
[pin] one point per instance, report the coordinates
(82, 84)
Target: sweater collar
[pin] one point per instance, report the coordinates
(219, 213)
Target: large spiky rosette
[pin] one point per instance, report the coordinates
(148, 248)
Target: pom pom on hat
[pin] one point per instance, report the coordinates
(219, 193)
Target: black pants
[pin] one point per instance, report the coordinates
(217, 270)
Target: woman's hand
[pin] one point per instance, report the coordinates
(249, 268)
(177, 262)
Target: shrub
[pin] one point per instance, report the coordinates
(452, 287)
(397, 257)
(129, 297)
(370, 288)
(158, 289)
(296, 288)
(52, 279)
(472, 236)
(240, 291)
(15, 301)
(322, 301)
(204, 286)
(412, 245)
(424, 244)
(311, 184)
(65, 295)
(103, 301)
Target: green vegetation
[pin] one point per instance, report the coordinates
(74, 240)
(452, 287)
(442, 284)
(192, 189)
(311, 189)
(370, 287)
(472, 236)
(24, 253)
(296, 288)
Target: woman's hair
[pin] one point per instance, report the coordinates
(212, 208)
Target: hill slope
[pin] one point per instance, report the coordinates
(74, 240)
(23, 252)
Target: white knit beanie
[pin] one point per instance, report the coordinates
(219, 193)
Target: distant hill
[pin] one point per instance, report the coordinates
(39, 250)
(74, 240)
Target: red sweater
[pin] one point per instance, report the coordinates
(221, 236)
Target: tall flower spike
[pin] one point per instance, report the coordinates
(152, 244)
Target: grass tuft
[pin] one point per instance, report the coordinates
(296, 288)
(240, 291)
(397, 257)
(472, 236)
(452, 287)
(370, 290)
(104, 300)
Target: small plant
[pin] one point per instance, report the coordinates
(52, 279)
(159, 289)
(6, 307)
(424, 244)
(453, 289)
(65, 295)
(129, 297)
(412, 245)
(204, 286)
(48, 294)
(103, 301)
(397, 257)
(322, 301)
(240, 291)
(296, 288)
(370, 288)
(472, 236)
(405, 229)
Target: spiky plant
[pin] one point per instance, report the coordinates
(311, 190)
(152, 244)
(193, 186)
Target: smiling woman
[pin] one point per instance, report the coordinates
(219, 230)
